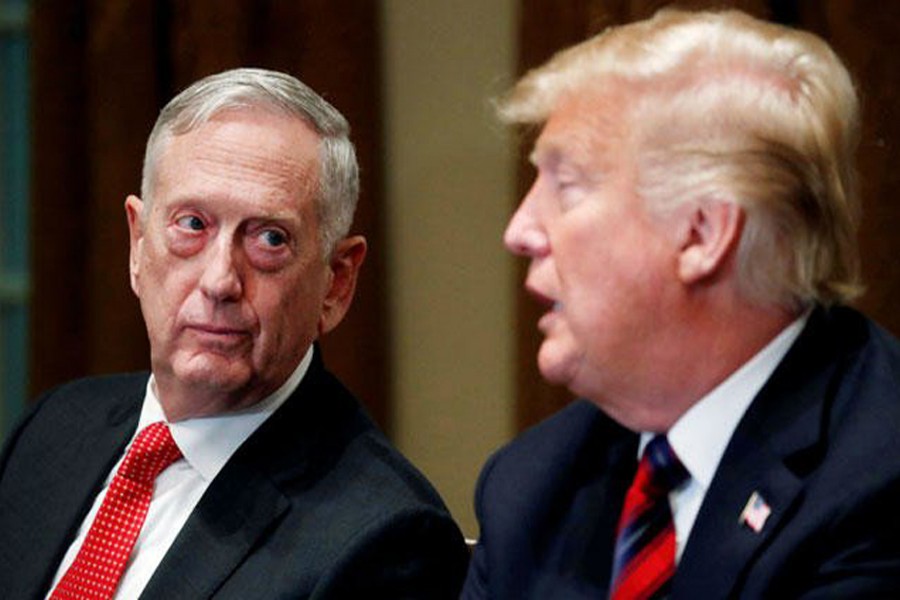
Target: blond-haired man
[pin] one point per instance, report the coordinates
(691, 233)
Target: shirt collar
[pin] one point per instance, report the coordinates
(699, 437)
(208, 442)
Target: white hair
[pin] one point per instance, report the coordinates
(338, 184)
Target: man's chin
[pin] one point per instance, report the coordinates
(555, 367)
(211, 374)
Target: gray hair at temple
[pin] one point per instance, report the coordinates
(338, 179)
(723, 106)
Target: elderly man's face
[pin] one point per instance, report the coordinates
(599, 262)
(227, 263)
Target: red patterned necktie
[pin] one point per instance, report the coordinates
(100, 562)
(645, 545)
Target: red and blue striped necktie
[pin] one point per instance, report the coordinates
(645, 544)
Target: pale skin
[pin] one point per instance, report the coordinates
(227, 263)
(643, 315)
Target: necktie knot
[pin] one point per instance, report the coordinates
(152, 451)
(644, 560)
(663, 471)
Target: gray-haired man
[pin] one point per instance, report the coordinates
(280, 486)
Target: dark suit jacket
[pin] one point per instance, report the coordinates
(315, 504)
(820, 443)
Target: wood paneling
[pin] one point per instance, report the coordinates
(867, 36)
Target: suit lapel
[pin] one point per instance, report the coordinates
(239, 507)
(722, 544)
(774, 446)
(580, 497)
(84, 452)
(245, 499)
(599, 508)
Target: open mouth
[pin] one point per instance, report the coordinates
(542, 299)
(551, 308)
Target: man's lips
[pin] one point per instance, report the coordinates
(552, 307)
(218, 333)
(217, 329)
(542, 299)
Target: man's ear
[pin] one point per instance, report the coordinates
(711, 232)
(134, 208)
(345, 263)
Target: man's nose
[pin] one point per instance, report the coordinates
(221, 279)
(524, 235)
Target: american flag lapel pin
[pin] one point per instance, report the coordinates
(755, 512)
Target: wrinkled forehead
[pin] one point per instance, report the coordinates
(262, 150)
(590, 126)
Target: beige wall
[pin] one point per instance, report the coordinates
(449, 178)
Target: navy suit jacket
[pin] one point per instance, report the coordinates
(820, 443)
(315, 504)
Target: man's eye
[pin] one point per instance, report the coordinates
(566, 180)
(274, 238)
(192, 222)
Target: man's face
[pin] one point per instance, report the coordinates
(600, 262)
(227, 261)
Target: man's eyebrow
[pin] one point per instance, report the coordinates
(535, 156)
(546, 153)
(555, 156)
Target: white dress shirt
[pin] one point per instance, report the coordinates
(206, 444)
(700, 436)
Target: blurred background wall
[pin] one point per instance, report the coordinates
(450, 179)
(440, 343)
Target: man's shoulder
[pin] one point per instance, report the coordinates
(68, 410)
(325, 428)
(866, 356)
(373, 466)
(557, 453)
(557, 438)
(93, 394)
(852, 330)
(111, 384)
(865, 413)
(353, 497)
(63, 417)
